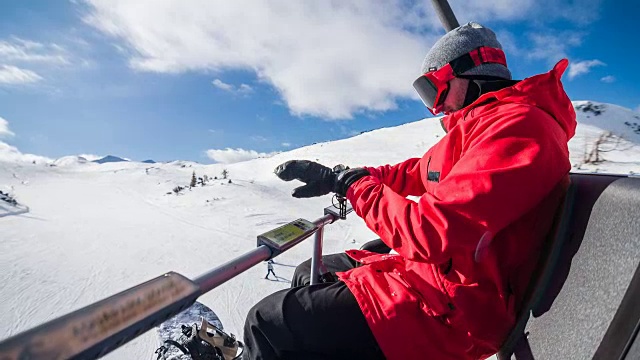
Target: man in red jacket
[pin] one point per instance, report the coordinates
(465, 250)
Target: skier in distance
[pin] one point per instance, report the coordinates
(270, 270)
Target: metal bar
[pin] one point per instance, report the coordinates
(446, 15)
(325, 220)
(229, 270)
(316, 258)
(97, 329)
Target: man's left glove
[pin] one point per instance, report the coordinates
(319, 180)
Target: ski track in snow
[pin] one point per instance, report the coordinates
(176, 217)
(6, 211)
(95, 230)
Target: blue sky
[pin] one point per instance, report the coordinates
(224, 81)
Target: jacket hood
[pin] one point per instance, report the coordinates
(544, 91)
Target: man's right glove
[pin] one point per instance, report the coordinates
(319, 180)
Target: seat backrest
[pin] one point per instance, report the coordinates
(589, 308)
(556, 259)
(540, 278)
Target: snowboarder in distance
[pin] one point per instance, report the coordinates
(466, 249)
(270, 270)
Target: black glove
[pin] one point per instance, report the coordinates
(319, 180)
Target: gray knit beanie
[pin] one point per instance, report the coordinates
(460, 41)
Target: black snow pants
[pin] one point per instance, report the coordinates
(311, 322)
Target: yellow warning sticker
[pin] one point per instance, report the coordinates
(289, 232)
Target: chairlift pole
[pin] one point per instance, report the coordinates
(446, 15)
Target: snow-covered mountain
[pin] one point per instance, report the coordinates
(109, 159)
(613, 131)
(95, 229)
(69, 161)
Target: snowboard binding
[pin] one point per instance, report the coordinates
(206, 342)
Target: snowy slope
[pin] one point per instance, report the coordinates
(620, 150)
(96, 229)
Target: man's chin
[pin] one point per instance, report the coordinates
(450, 110)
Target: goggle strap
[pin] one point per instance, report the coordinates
(479, 56)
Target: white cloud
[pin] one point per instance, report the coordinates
(608, 79)
(577, 11)
(14, 75)
(583, 67)
(286, 144)
(328, 59)
(222, 85)
(245, 89)
(22, 50)
(581, 12)
(546, 45)
(4, 128)
(11, 154)
(550, 47)
(228, 155)
(242, 89)
(258, 138)
(493, 10)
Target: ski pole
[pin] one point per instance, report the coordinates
(97, 329)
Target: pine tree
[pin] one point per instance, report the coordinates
(225, 173)
(193, 180)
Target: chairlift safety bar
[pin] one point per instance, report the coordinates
(97, 329)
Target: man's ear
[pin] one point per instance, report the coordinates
(472, 93)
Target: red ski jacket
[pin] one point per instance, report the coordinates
(467, 248)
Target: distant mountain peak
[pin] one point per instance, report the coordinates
(109, 159)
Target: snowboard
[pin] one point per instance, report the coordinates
(203, 327)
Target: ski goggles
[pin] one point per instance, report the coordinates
(433, 86)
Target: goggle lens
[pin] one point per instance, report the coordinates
(426, 90)
(431, 95)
